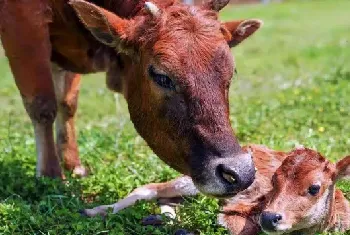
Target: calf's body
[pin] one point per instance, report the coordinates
(293, 193)
(172, 62)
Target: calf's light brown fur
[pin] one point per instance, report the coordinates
(282, 186)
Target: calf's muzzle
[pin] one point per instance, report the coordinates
(269, 221)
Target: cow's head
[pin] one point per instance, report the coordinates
(303, 193)
(176, 67)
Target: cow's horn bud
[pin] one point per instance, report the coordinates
(152, 9)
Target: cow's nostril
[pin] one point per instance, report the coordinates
(229, 178)
(228, 175)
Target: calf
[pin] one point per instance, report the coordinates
(294, 193)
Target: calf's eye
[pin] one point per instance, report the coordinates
(161, 80)
(314, 189)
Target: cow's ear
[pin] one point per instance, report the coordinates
(105, 26)
(343, 168)
(237, 31)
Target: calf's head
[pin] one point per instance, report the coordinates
(303, 194)
(176, 67)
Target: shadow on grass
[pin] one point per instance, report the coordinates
(17, 180)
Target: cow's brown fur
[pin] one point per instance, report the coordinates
(187, 127)
(281, 186)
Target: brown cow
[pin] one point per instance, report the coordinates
(293, 193)
(172, 62)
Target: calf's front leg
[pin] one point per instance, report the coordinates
(182, 186)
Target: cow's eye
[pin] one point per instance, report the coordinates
(162, 80)
(314, 189)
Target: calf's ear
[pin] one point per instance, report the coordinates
(236, 32)
(105, 26)
(343, 168)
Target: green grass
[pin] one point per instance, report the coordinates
(292, 87)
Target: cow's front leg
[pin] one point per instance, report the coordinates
(67, 87)
(26, 40)
(182, 186)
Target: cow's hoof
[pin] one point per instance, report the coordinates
(154, 220)
(80, 171)
(51, 172)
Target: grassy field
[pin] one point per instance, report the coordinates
(292, 87)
